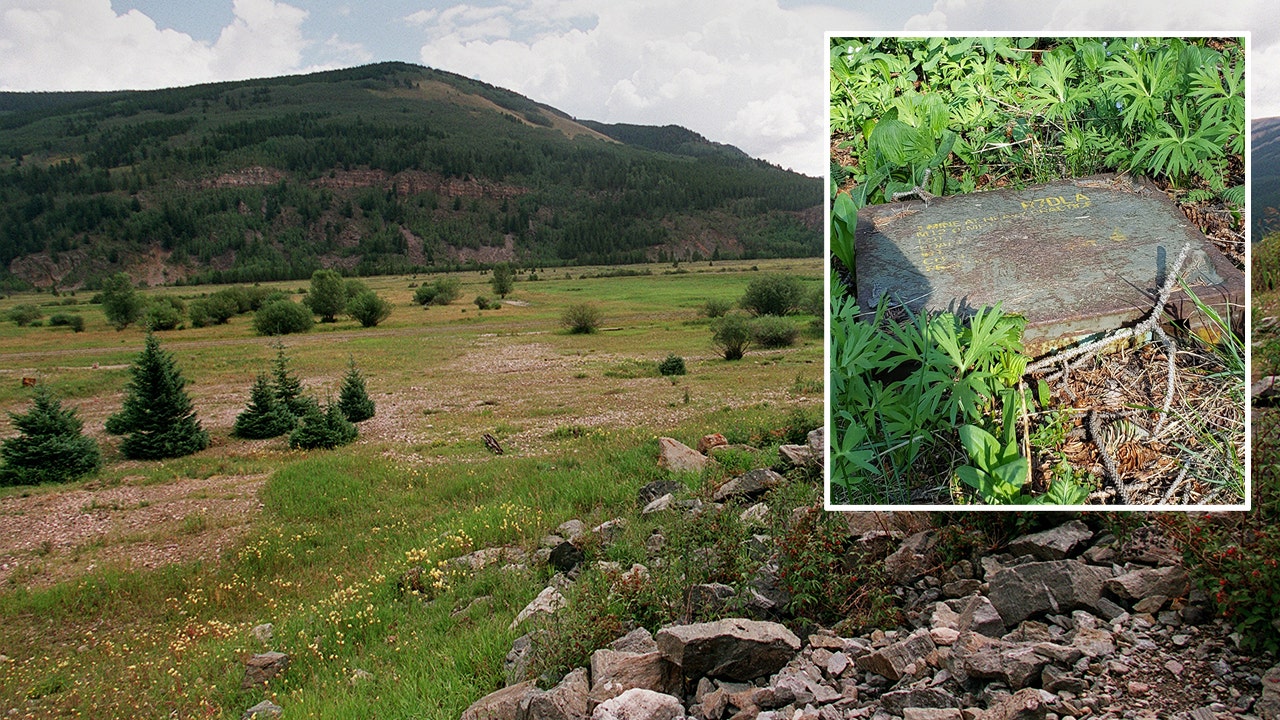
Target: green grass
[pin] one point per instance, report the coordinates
(339, 528)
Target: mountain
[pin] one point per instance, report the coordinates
(383, 168)
(1264, 138)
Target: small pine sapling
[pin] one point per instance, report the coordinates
(157, 418)
(265, 416)
(353, 398)
(51, 446)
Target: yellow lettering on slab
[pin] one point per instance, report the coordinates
(1118, 236)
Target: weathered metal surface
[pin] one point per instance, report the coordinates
(1075, 257)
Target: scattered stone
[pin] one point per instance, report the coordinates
(1268, 706)
(932, 714)
(733, 649)
(566, 556)
(1150, 604)
(657, 489)
(800, 456)
(1026, 704)
(504, 704)
(265, 710)
(896, 701)
(678, 457)
(548, 601)
(665, 502)
(748, 485)
(913, 557)
(359, 676)
(711, 596)
(638, 704)
(757, 514)
(714, 440)
(262, 633)
(260, 668)
(516, 665)
(980, 616)
(571, 530)
(566, 701)
(1053, 544)
(609, 530)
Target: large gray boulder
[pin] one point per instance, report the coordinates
(1057, 586)
(732, 649)
(1268, 706)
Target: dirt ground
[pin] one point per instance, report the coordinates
(47, 537)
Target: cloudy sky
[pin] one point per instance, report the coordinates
(746, 72)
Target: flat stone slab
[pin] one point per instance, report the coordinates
(1074, 257)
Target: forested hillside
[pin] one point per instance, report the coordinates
(384, 168)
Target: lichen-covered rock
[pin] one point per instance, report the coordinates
(639, 704)
(678, 457)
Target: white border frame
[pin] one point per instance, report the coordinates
(1246, 36)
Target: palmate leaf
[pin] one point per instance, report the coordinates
(844, 221)
(1174, 152)
(1142, 83)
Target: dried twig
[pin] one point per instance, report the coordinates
(1170, 351)
(918, 191)
(1108, 465)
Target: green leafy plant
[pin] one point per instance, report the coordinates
(323, 429)
(282, 317)
(368, 308)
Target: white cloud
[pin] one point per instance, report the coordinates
(744, 72)
(85, 45)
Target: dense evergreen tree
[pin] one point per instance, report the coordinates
(353, 398)
(50, 447)
(326, 428)
(157, 418)
(265, 416)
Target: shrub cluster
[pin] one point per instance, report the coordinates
(282, 317)
(442, 291)
(73, 321)
(774, 332)
(581, 318)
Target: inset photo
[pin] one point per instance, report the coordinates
(1037, 291)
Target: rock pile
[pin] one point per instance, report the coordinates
(1064, 624)
(1072, 627)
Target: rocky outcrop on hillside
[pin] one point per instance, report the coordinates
(1067, 623)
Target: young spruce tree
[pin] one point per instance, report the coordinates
(51, 446)
(265, 416)
(288, 389)
(157, 419)
(353, 398)
(326, 428)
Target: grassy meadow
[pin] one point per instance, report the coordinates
(86, 630)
